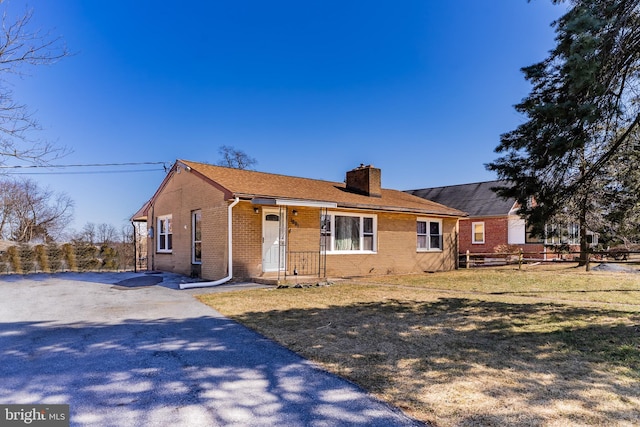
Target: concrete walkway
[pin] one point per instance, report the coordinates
(129, 350)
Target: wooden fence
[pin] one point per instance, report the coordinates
(472, 260)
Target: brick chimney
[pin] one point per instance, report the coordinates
(365, 180)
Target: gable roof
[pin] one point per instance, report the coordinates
(476, 199)
(141, 214)
(252, 185)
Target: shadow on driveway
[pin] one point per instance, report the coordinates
(125, 278)
(157, 357)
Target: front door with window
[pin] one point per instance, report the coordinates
(273, 250)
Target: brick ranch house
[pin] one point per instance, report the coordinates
(220, 224)
(494, 221)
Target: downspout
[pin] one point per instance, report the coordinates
(153, 239)
(135, 248)
(230, 262)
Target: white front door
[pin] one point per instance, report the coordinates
(273, 250)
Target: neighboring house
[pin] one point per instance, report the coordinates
(204, 219)
(494, 221)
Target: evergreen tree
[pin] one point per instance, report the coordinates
(620, 198)
(581, 113)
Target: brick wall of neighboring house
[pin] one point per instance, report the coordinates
(540, 251)
(496, 232)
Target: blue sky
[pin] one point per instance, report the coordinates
(421, 89)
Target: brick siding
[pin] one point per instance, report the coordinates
(183, 193)
(496, 232)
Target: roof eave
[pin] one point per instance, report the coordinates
(281, 201)
(142, 213)
(399, 209)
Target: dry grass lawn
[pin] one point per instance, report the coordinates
(546, 346)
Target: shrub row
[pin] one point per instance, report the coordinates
(53, 258)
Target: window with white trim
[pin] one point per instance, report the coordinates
(560, 234)
(530, 237)
(429, 234)
(165, 234)
(325, 232)
(477, 233)
(348, 233)
(196, 237)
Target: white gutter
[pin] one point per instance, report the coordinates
(230, 246)
(292, 202)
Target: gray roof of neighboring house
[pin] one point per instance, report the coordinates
(476, 199)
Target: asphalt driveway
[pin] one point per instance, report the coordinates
(132, 350)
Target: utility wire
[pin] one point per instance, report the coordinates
(84, 173)
(81, 165)
(13, 170)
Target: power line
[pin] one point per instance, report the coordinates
(81, 165)
(84, 173)
(13, 170)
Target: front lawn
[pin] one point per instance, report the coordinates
(543, 346)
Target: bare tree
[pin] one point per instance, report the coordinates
(97, 234)
(31, 213)
(88, 233)
(106, 233)
(127, 234)
(7, 189)
(234, 158)
(20, 49)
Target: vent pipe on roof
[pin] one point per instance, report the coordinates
(230, 262)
